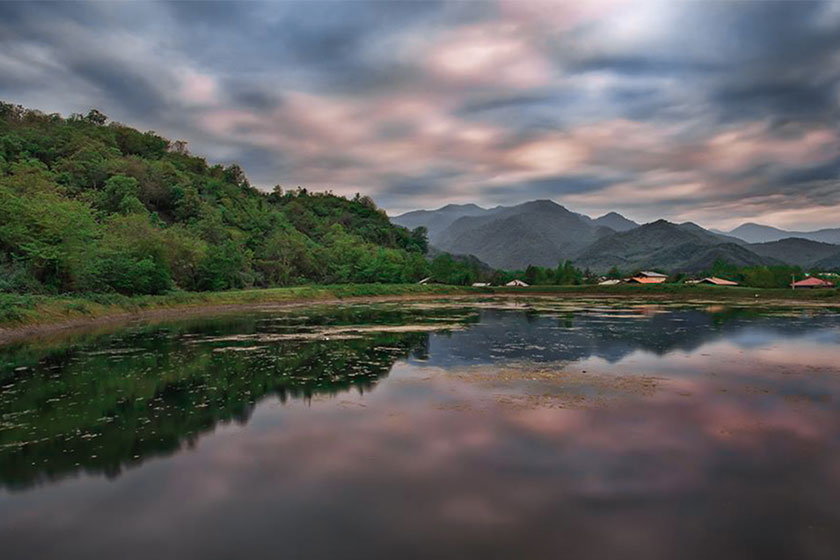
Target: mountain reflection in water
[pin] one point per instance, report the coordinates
(596, 432)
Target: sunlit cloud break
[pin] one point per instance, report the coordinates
(713, 112)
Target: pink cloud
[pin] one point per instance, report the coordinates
(198, 89)
(499, 54)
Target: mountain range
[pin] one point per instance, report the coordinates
(541, 233)
(544, 233)
(757, 233)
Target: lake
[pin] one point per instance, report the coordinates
(435, 429)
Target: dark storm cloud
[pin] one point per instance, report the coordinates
(433, 181)
(783, 99)
(251, 97)
(713, 112)
(117, 81)
(550, 186)
(567, 184)
(826, 172)
(504, 103)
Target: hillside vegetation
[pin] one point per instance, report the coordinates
(87, 206)
(802, 252)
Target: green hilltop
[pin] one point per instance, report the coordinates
(91, 206)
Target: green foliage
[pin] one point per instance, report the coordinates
(758, 276)
(566, 274)
(121, 196)
(87, 206)
(446, 270)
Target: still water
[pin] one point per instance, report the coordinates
(496, 429)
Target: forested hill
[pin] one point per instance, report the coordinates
(92, 206)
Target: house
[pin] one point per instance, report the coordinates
(812, 282)
(426, 280)
(660, 279)
(481, 284)
(648, 277)
(517, 284)
(611, 282)
(715, 281)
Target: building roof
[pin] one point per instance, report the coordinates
(646, 280)
(612, 282)
(718, 281)
(650, 274)
(812, 282)
(518, 283)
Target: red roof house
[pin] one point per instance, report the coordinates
(648, 280)
(812, 282)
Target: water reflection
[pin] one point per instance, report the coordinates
(615, 333)
(470, 447)
(98, 404)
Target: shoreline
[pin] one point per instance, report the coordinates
(40, 315)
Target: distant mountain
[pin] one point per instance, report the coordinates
(541, 233)
(435, 221)
(545, 233)
(794, 250)
(831, 262)
(615, 222)
(662, 244)
(757, 233)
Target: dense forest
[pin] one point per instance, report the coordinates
(92, 206)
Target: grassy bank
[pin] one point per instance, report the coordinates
(18, 311)
(24, 310)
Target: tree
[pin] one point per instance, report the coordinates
(120, 196)
(418, 238)
(567, 274)
(96, 117)
(532, 275)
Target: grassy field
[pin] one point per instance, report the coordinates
(18, 311)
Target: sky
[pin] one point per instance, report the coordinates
(713, 112)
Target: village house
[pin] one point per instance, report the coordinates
(715, 281)
(648, 277)
(812, 282)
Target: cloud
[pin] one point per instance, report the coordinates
(714, 112)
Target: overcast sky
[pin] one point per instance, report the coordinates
(714, 112)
